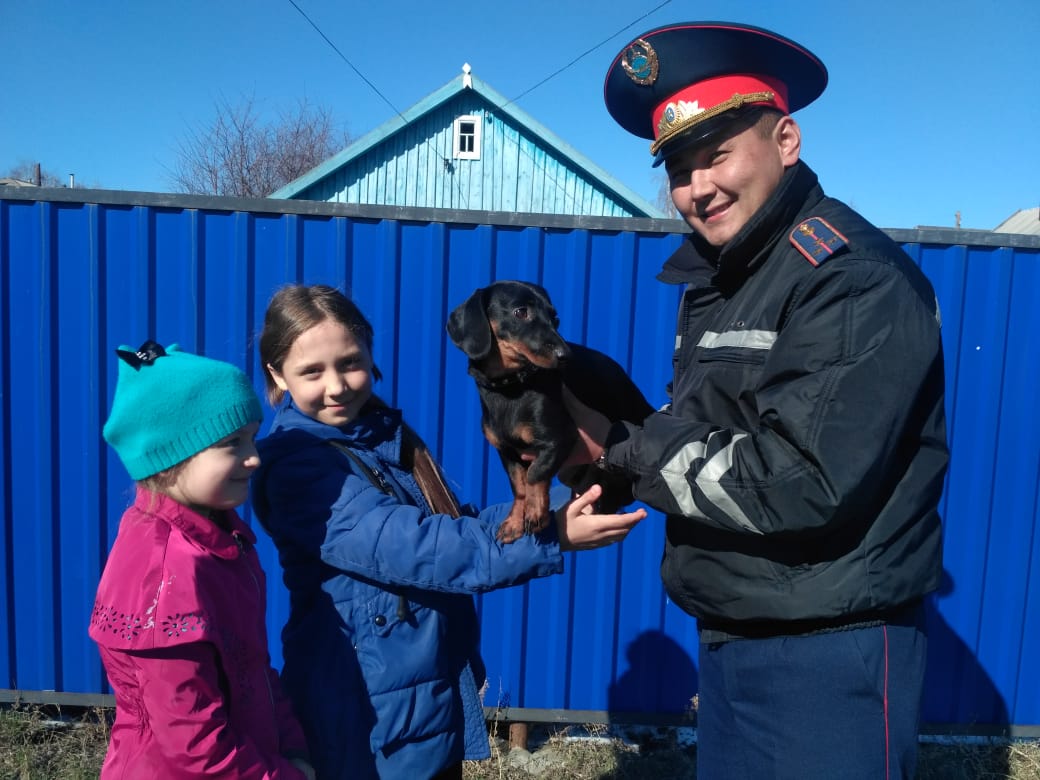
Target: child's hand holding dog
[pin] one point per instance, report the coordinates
(579, 529)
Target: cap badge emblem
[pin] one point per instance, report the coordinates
(679, 112)
(640, 62)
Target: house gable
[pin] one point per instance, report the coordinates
(411, 161)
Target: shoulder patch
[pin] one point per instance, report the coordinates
(817, 240)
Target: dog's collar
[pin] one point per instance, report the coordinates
(509, 380)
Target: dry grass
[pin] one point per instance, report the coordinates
(584, 753)
(42, 742)
(656, 755)
(39, 743)
(1017, 761)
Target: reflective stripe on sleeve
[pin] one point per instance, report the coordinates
(707, 480)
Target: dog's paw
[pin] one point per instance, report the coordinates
(512, 528)
(536, 524)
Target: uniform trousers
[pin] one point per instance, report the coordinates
(838, 704)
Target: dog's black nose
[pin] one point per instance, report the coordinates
(561, 352)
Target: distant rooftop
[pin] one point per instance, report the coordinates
(1025, 221)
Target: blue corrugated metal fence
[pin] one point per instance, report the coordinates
(78, 278)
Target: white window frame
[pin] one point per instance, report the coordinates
(457, 136)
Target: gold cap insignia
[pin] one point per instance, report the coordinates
(640, 62)
(678, 113)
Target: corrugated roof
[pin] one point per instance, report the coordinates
(1024, 221)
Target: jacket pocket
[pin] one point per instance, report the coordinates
(740, 355)
(409, 670)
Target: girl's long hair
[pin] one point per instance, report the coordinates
(295, 309)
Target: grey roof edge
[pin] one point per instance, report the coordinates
(948, 236)
(499, 103)
(1023, 218)
(131, 198)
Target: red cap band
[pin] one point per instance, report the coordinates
(686, 107)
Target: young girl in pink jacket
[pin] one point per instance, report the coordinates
(179, 613)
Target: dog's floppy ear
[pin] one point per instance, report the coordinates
(469, 328)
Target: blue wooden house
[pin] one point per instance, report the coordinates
(467, 147)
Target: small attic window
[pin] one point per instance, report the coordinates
(466, 138)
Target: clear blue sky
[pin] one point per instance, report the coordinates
(931, 109)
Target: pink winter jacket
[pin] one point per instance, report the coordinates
(179, 620)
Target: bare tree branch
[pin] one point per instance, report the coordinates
(240, 155)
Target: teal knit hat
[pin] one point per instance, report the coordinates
(170, 405)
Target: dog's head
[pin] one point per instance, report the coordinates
(507, 327)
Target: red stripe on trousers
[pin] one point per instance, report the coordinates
(884, 630)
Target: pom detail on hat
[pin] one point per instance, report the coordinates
(170, 405)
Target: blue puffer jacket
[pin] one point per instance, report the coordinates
(382, 643)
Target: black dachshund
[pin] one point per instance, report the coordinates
(520, 362)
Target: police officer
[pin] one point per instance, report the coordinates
(802, 456)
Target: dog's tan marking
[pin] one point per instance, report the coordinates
(513, 526)
(536, 507)
(493, 440)
(515, 355)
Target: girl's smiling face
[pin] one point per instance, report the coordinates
(328, 373)
(217, 478)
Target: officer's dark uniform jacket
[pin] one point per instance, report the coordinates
(802, 457)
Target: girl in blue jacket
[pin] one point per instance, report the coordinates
(381, 647)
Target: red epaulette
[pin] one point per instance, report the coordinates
(817, 240)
